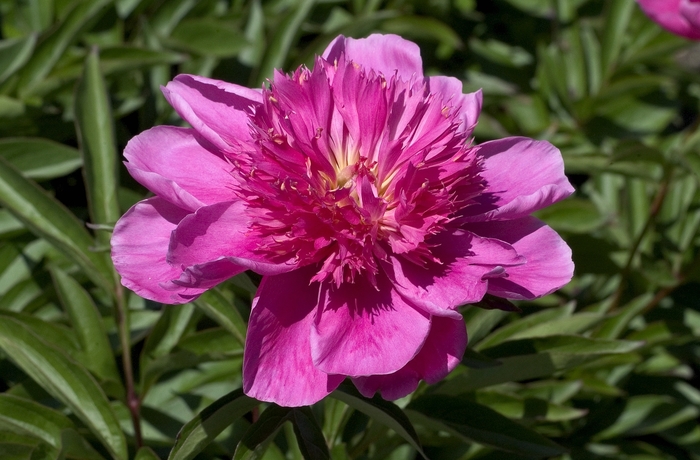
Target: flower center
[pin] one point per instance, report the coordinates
(349, 168)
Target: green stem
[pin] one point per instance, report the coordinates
(132, 399)
(653, 213)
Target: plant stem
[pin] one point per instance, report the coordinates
(132, 399)
(653, 213)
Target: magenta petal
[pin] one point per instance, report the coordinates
(139, 246)
(466, 258)
(217, 110)
(364, 330)
(522, 175)
(549, 265)
(277, 365)
(442, 352)
(673, 15)
(171, 163)
(216, 232)
(386, 54)
(469, 105)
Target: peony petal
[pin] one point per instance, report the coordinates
(549, 265)
(522, 175)
(466, 258)
(277, 364)
(673, 15)
(220, 231)
(386, 54)
(171, 163)
(217, 110)
(469, 105)
(364, 330)
(139, 248)
(442, 352)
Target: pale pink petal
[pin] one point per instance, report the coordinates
(442, 352)
(221, 231)
(217, 110)
(386, 54)
(466, 260)
(171, 163)
(673, 15)
(469, 105)
(522, 175)
(362, 330)
(549, 265)
(139, 246)
(277, 364)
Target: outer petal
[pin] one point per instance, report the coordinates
(277, 364)
(382, 53)
(673, 15)
(217, 232)
(171, 163)
(549, 265)
(363, 330)
(522, 175)
(466, 260)
(139, 246)
(442, 352)
(690, 10)
(469, 105)
(217, 110)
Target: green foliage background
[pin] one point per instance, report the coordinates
(605, 369)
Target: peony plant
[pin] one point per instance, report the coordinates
(356, 191)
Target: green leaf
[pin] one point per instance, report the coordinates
(256, 439)
(208, 37)
(40, 159)
(146, 453)
(481, 424)
(207, 425)
(573, 215)
(614, 326)
(616, 23)
(534, 358)
(527, 408)
(94, 125)
(87, 325)
(283, 39)
(65, 380)
(14, 53)
(27, 417)
(380, 410)
(54, 45)
(312, 443)
(49, 219)
(217, 307)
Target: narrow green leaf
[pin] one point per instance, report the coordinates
(616, 23)
(380, 410)
(53, 46)
(613, 327)
(283, 39)
(49, 219)
(256, 438)
(515, 407)
(312, 443)
(66, 380)
(40, 159)
(146, 453)
(481, 424)
(87, 325)
(215, 305)
(94, 125)
(30, 418)
(14, 53)
(503, 333)
(207, 425)
(208, 37)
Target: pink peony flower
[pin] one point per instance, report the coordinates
(682, 17)
(354, 189)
